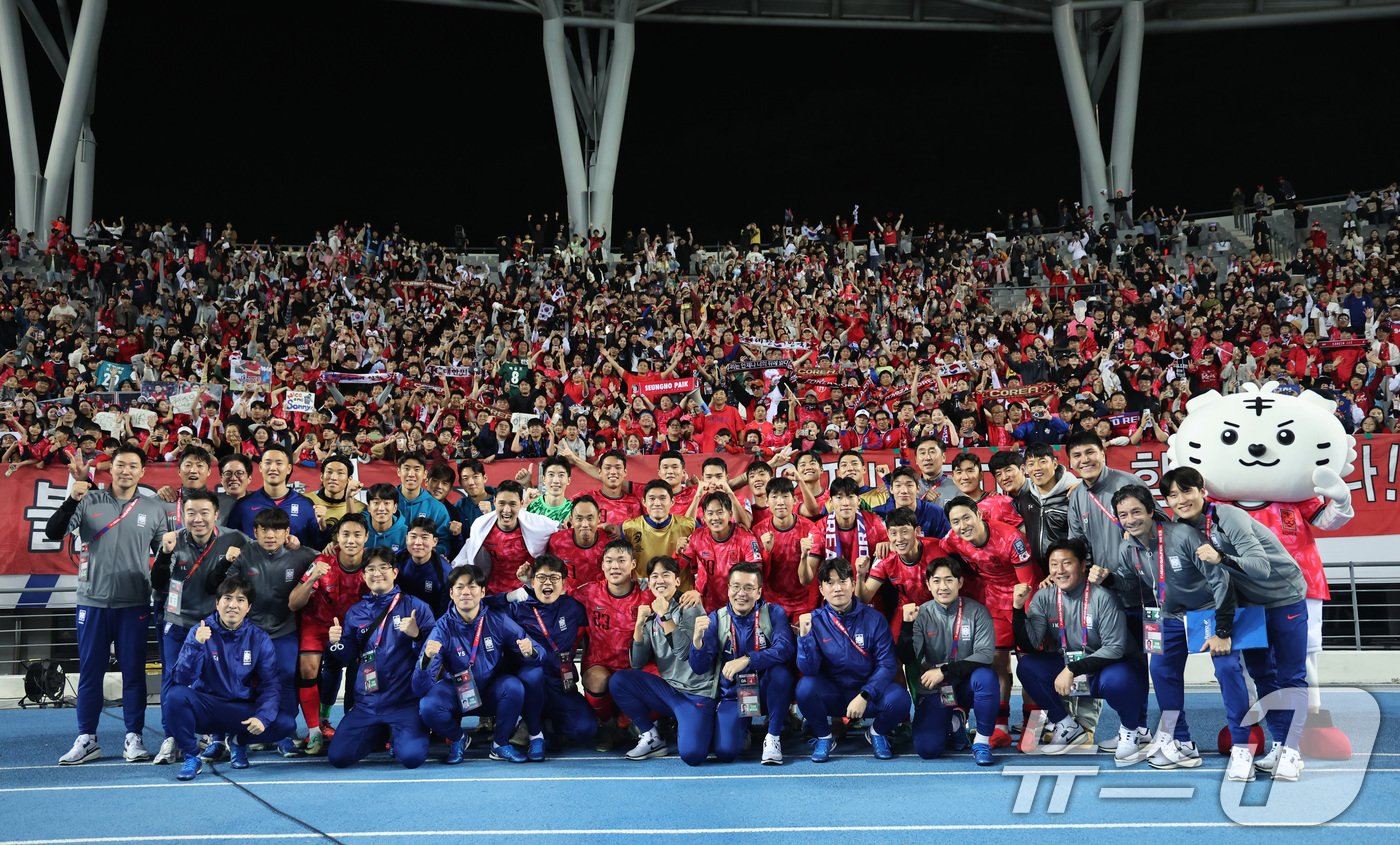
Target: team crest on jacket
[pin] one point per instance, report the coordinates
(563, 624)
(490, 644)
(141, 520)
(859, 638)
(296, 509)
(289, 575)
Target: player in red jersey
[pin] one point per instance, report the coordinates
(811, 492)
(782, 535)
(967, 475)
(617, 498)
(326, 593)
(712, 552)
(611, 605)
(581, 545)
(505, 542)
(998, 554)
(905, 566)
(845, 532)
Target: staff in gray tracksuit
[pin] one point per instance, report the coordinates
(1070, 629)
(664, 634)
(1262, 573)
(953, 642)
(1091, 503)
(1159, 560)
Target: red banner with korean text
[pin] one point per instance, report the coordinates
(31, 496)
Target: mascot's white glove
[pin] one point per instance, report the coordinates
(1329, 485)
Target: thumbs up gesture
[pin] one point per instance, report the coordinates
(804, 624)
(408, 625)
(203, 633)
(336, 631)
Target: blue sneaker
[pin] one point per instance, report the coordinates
(982, 754)
(822, 747)
(288, 748)
(880, 743)
(238, 754)
(456, 752)
(507, 753)
(536, 752)
(214, 752)
(190, 768)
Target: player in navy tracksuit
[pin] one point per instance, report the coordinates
(379, 641)
(846, 656)
(478, 661)
(554, 619)
(746, 619)
(276, 492)
(226, 681)
(422, 570)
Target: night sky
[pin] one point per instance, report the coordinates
(284, 117)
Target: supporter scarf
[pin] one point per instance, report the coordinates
(1334, 345)
(476, 406)
(761, 343)
(358, 378)
(758, 364)
(1027, 392)
(833, 549)
(451, 372)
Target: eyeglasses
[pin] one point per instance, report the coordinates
(549, 579)
(747, 589)
(233, 474)
(378, 570)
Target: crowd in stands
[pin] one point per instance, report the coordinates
(830, 334)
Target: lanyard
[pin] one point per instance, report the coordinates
(1083, 619)
(1210, 517)
(836, 620)
(1095, 500)
(480, 620)
(543, 630)
(379, 635)
(957, 630)
(757, 646)
(207, 549)
(180, 508)
(136, 497)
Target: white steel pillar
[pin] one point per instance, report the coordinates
(614, 109)
(19, 115)
(84, 174)
(73, 108)
(1125, 109)
(556, 61)
(1081, 106)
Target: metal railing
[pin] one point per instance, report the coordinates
(1363, 615)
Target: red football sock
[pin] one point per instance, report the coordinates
(602, 705)
(310, 698)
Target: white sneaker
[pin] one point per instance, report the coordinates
(1110, 743)
(1067, 734)
(772, 750)
(1174, 754)
(134, 750)
(1270, 760)
(166, 754)
(1131, 747)
(1241, 768)
(1290, 764)
(84, 748)
(649, 745)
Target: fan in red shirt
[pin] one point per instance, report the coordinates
(329, 589)
(782, 534)
(711, 553)
(611, 605)
(581, 546)
(721, 415)
(904, 567)
(999, 556)
(967, 475)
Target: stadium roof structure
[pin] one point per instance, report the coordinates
(589, 75)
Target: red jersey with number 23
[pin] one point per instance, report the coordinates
(611, 620)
